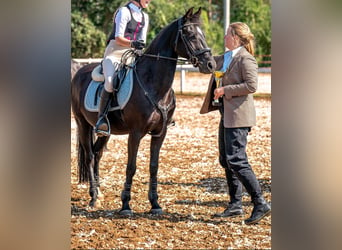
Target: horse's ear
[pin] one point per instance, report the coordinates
(198, 13)
(188, 14)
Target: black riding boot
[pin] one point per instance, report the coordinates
(260, 210)
(102, 127)
(235, 195)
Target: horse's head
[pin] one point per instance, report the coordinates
(191, 44)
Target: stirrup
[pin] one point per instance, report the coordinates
(102, 132)
(172, 123)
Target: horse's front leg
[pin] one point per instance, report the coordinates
(133, 145)
(156, 143)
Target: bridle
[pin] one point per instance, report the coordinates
(191, 52)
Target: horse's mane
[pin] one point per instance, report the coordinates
(161, 33)
(166, 30)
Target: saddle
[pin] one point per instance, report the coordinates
(123, 86)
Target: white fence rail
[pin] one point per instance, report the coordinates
(182, 68)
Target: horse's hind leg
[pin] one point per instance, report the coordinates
(86, 158)
(133, 145)
(99, 146)
(156, 143)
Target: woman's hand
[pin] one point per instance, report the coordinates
(218, 93)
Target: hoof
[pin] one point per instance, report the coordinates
(126, 212)
(98, 204)
(156, 211)
(94, 205)
(90, 209)
(100, 195)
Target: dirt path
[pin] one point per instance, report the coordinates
(191, 189)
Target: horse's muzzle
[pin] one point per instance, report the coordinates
(207, 67)
(211, 65)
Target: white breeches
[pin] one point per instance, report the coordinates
(112, 58)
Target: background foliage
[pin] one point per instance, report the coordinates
(92, 22)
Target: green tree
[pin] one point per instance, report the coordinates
(99, 16)
(257, 14)
(162, 12)
(213, 33)
(86, 40)
(100, 12)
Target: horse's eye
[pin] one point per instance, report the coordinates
(189, 29)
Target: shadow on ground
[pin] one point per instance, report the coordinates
(218, 185)
(215, 185)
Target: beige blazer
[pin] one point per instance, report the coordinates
(239, 82)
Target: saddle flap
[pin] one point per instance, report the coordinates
(91, 100)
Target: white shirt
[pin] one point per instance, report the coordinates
(124, 16)
(236, 50)
(228, 57)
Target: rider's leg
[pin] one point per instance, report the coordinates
(102, 127)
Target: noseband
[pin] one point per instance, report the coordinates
(192, 53)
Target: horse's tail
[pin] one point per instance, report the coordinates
(85, 132)
(83, 174)
(84, 156)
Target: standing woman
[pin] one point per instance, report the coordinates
(239, 82)
(130, 26)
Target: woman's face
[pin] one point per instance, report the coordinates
(144, 3)
(231, 42)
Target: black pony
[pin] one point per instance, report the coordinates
(149, 109)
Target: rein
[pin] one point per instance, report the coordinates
(162, 109)
(165, 57)
(193, 58)
(192, 53)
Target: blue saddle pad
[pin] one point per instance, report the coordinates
(92, 96)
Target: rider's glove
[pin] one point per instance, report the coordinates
(138, 44)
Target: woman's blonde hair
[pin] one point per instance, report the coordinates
(245, 35)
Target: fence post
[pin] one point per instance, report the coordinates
(182, 80)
